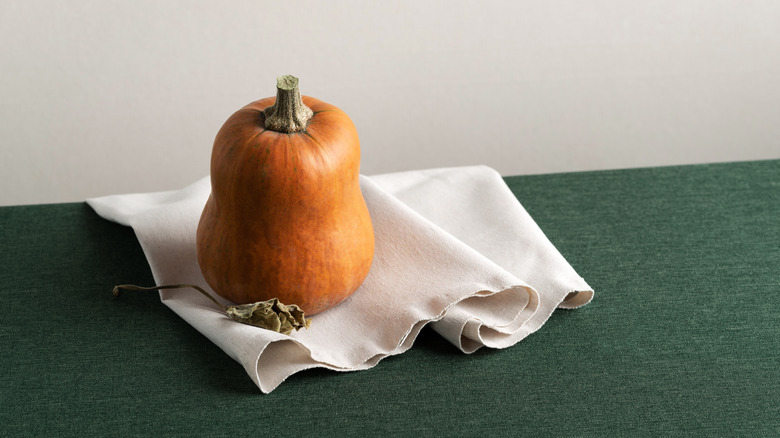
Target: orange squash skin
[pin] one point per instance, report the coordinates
(286, 218)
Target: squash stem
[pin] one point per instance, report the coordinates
(288, 114)
(169, 286)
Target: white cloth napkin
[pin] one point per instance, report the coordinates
(454, 249)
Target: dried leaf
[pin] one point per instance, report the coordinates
(271, 315)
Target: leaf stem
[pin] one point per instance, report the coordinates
(169, 286)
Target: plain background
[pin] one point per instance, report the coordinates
(102, 97)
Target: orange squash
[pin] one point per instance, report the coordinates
(286, 218)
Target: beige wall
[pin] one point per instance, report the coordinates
(102, 97)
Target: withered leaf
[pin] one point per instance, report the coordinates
(271, 315)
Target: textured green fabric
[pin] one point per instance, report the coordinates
(682, 338)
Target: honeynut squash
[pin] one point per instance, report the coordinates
(286, 218)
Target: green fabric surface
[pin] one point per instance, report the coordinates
(681, 339)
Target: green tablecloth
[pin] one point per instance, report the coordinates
(682, 338)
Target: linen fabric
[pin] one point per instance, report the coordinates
(454, 249)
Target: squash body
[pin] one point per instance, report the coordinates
(286, 218)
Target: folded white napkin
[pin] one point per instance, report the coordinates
(454, 249)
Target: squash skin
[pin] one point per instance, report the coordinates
(286, 218)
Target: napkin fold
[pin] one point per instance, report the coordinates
(454, 249)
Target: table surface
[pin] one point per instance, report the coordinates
(682, 337)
